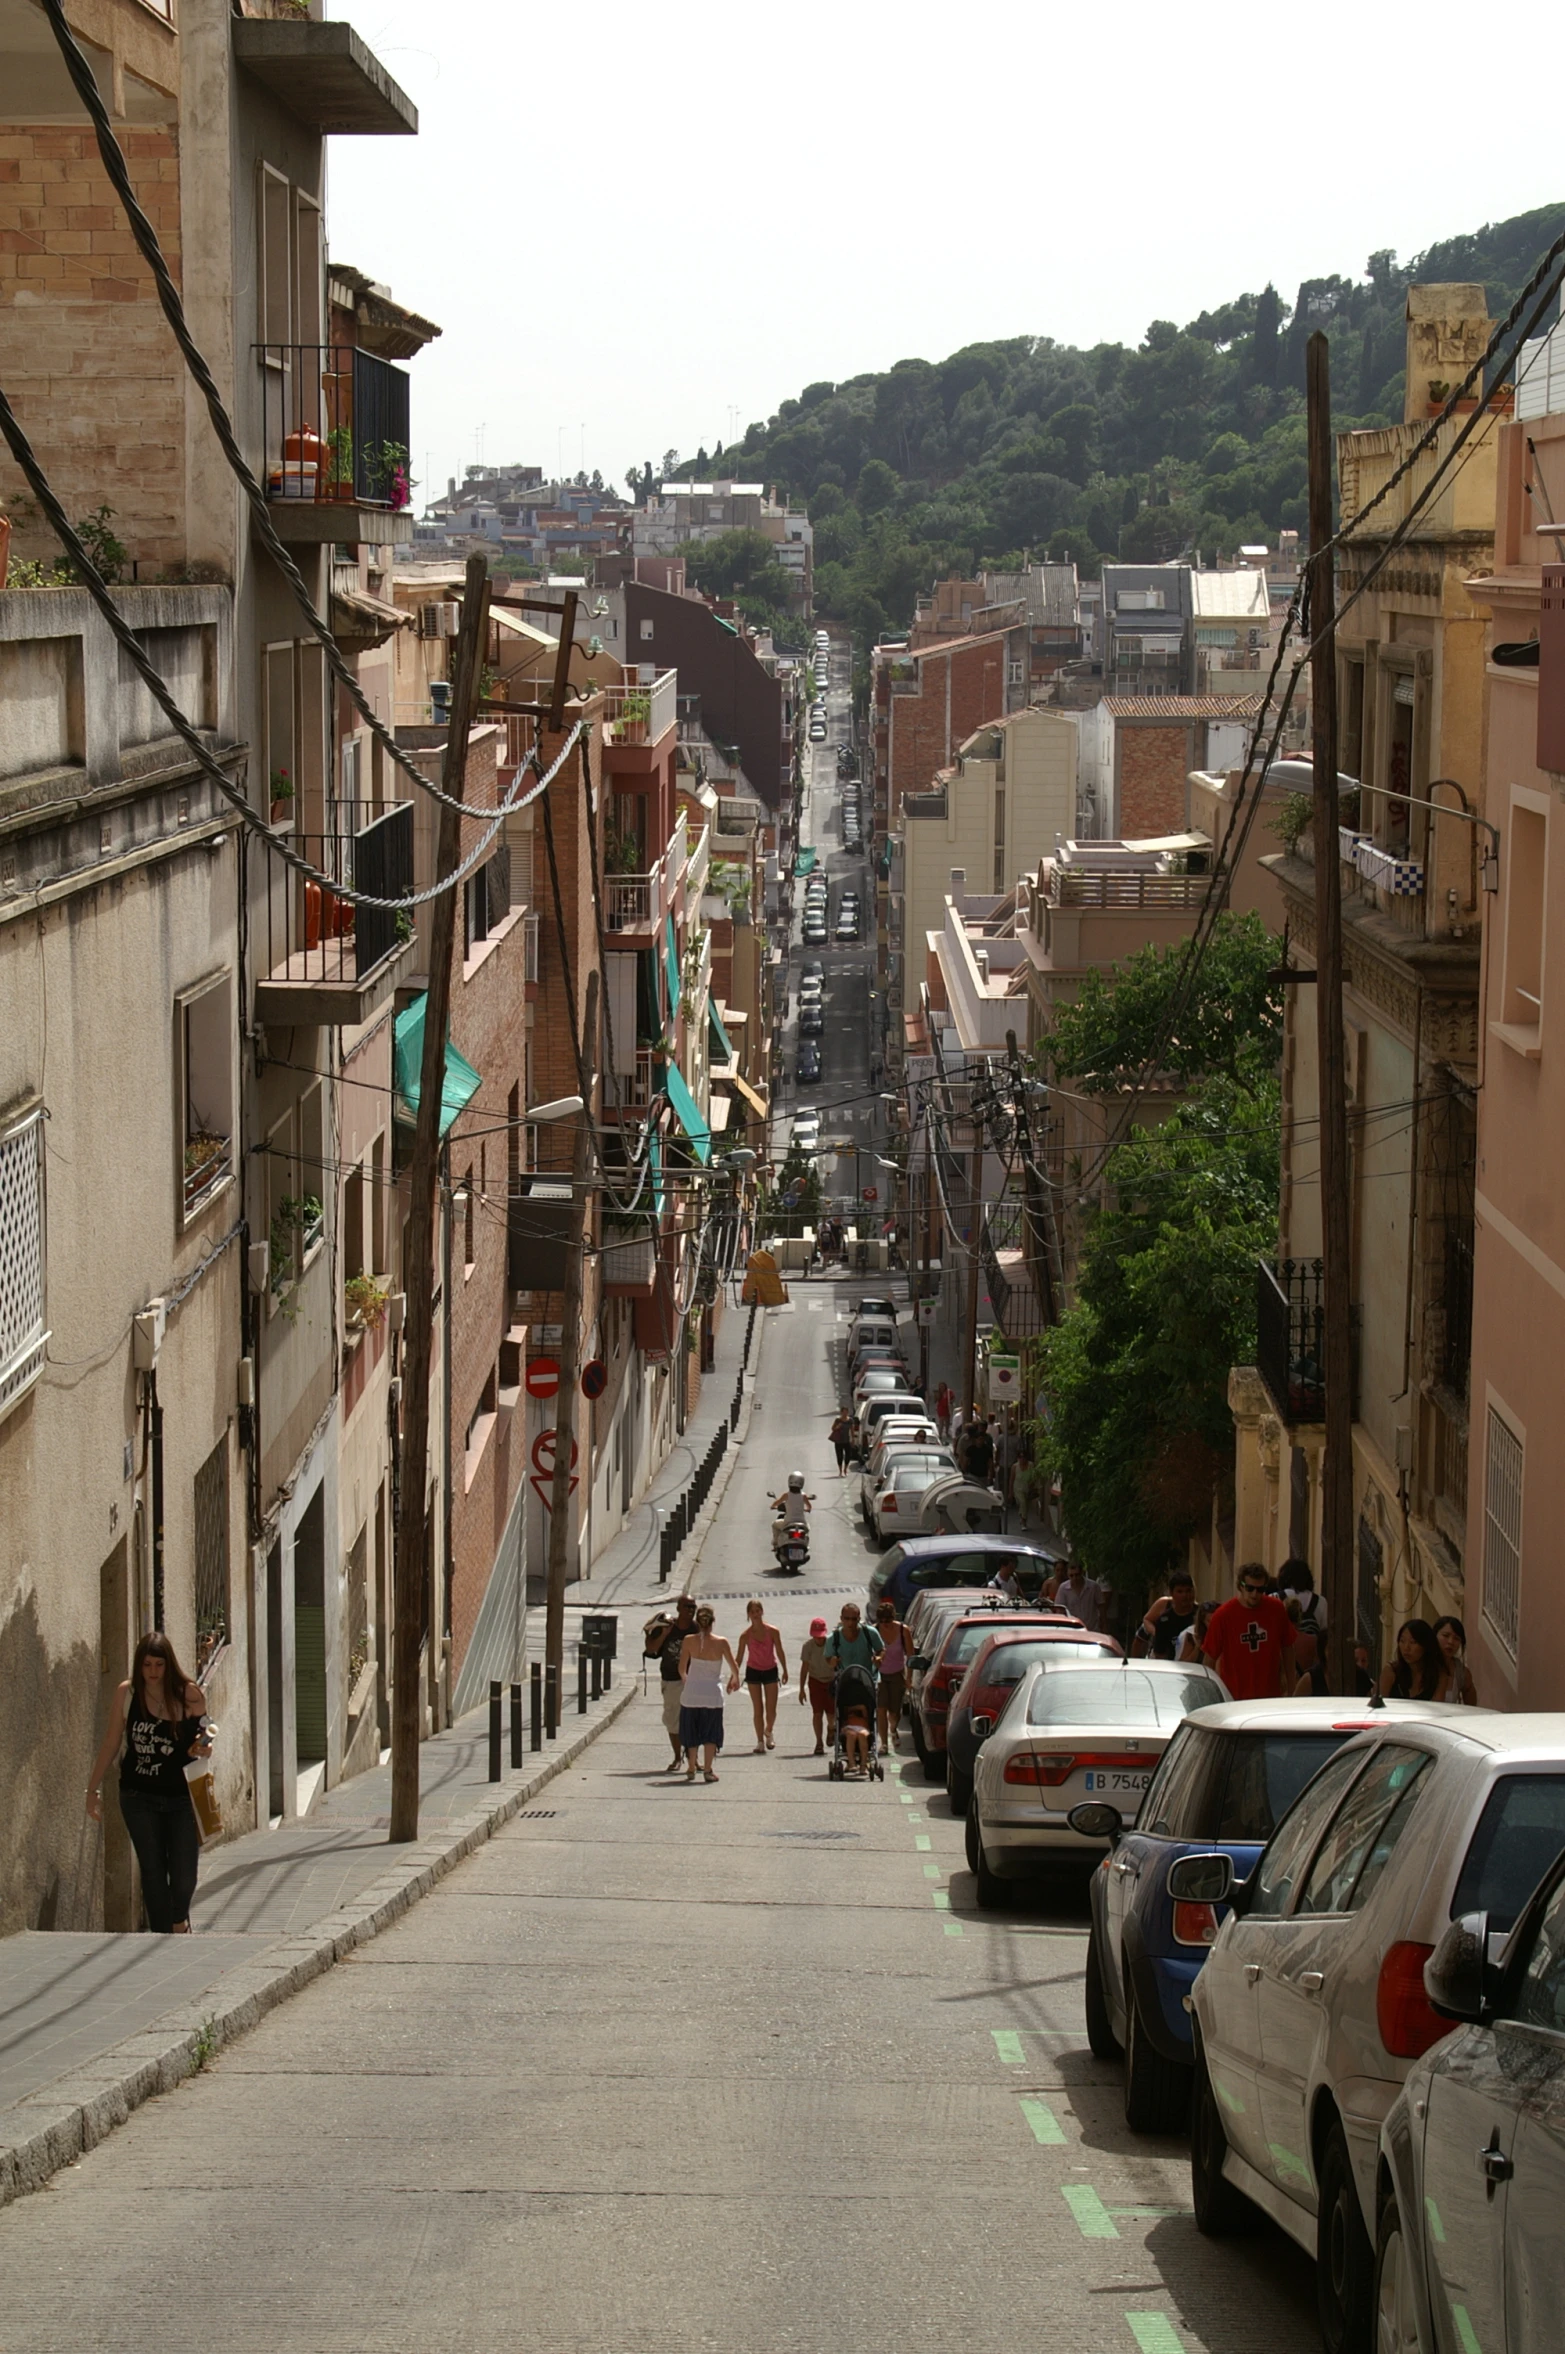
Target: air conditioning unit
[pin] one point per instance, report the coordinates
(439, 620)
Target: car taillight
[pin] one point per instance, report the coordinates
(1195, 1924)
(888, 1502)
(1407, 2019)
(1037, 1769)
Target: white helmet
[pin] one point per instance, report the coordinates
(796, 1483)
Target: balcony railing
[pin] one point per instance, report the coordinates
(323, 951)
(1114, 889)
(1290, 1336)
(335, 425)
(643, 713)
(697, 863)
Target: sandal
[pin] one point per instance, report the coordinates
(770, 1743)
(710, 1776)
(690, 1773)
(759, 1750)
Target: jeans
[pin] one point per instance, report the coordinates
(168, 1848)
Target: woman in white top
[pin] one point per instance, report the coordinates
(701, 1707)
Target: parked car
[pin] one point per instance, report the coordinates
(874, 1311)
(992, 1674)
(871, 1332)
(967, 1561)
(875, 1410)
(883, 1381)
(900, 1430)
(1227, 1778)
(812, 969)
(1312, 2006)
(1071, 1731)
(815, 934)
(847, 925)
(808, 1064)
(1472, 2152)
(812, 1019)
(942, 1670)
(959, 1506)
(900, 1489)
(933, 1617)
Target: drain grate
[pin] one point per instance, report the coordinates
(538, 1814)
(815, 1838)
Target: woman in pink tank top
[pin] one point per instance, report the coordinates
(760, 1654)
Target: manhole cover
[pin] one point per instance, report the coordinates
(816, 1838)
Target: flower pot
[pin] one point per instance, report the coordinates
(282, 813)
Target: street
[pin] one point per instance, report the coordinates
(737, 2068)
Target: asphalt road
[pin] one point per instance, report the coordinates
(722, 2070)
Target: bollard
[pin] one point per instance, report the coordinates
(597, 1673)
(581, 1680)
(551, 1700)
(516, 1727)
(537, 1696)
(608, 1669)
(494, 1732)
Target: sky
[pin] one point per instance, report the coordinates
(641, 228)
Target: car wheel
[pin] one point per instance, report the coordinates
(959, 1788)
(1220, 2210)
(918, 1739)
(1157, 2090)
(992, 1891)
(1101, 2038)
(1396, 2311)
(970, 1838)
(933, 1762)
(1344, 2259)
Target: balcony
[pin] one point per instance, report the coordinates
(697, 866)
(637, 903)
(1290, 1337)
(628, 1261)
(335, 423)
(637, 719)
(332, 962)
(1115, 889)
(324, 75)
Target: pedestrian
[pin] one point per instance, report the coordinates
(1249, 1638)
(842, 1441)
(1416, 1668)
(1296, 1584)
(1456, 1680)
(817, 1676)
(977, 1454)
(1309, 1659)
(159, 1713)
(1166, 1620)
(1363, 1673)
(761, 1656)
(701, 1657)
(891, 1690)
(1192, 1642)
(943, 1410)
(1081, 1597)
(663, 1639)
(851, 1643)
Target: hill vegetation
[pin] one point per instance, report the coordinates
(1193, 441)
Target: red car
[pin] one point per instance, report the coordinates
(992, 1675)
(944, 1669)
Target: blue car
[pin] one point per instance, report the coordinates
(1226, 1779)
(962, 1561)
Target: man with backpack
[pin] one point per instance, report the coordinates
(1306, 1608)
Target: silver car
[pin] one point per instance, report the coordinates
(1311, 2005)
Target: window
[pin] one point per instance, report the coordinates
(210, 1556)
(23, 1332)
(1364, 1832)
(289, 259)
(1290, 1846)
(1502, 1530)
(205, 1048)
(1540, 2000)
(1521, 995)
(1264, 1774)
(1174, 1804)
(295, 1157)
(293, 720)
(1520, 1834)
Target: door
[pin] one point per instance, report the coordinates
(1469, 2125)
(1530, 2057)
(1227, 2000)
(121, 1902)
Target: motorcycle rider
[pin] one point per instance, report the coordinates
(791, 1508)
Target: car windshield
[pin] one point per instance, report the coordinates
(1519, 1834)
(966, 1642)
(914, 1471)
(1259, 1779)
(1009, 1662)
(1118, 1696)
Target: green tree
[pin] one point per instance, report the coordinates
(1230, 1022)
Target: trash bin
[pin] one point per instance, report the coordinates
(600, 1633)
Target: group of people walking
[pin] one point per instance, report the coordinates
(698, 1670)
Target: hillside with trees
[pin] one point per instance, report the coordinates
(1191, 442)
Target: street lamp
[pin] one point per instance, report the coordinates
(563, 1107)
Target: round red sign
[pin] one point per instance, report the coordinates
(543, 1376)
(594, 1378)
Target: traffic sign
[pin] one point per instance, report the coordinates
(1005, 1377)
(871, 1193)
(543, 1468)
(594, 1379)
(543, 1376)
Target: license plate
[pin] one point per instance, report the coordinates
(1109, 1781)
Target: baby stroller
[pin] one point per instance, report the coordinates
(855, 1688)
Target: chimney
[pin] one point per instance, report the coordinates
(959, 888)
(1447, 328)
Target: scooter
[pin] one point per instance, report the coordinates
(791, 1541)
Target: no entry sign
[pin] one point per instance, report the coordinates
(543, 1376)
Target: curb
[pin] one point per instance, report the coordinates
(55, 2126)
(701, 1528)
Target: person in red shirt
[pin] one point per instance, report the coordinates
(1250, 1639)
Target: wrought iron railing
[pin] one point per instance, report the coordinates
(1290, 1336)
(1458, 1310)
(312, 934)
(335, 423)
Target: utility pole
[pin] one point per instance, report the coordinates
(1039, 1223)
(570, 1347)
(1337, 1578)
(975, 1186)
(411, 1576)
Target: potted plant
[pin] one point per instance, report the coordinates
(386, 471)
(282, 796)
(206, 1159)
(339, 463)
(365, 1301)
(634, 712)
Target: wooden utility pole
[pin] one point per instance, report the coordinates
(570, 1347)
(412, 1572)
(1040, 1257)
(1336, 1564)
(975, 1189)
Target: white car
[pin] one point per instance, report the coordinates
(896, 1494)
(1069, 1733)
(901, 1430)
(1311, 2006)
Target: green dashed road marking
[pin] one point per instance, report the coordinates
(940, 1900)
(953, 1928)
(1465, 2330)
(1046, 2127)
(1008, 2047)
(931, 1871)
(1436, 2227)
(1154, 2333)
(915, 1818)
(923, 1843)
(1093, 2219)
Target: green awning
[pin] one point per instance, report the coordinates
(655, 1156)
(671, 963)
(722, 1048)
(805, 859)
(462, 1082)
(688, 1112)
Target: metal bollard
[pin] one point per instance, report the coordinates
(551, 1700)
(597, 1673)
(536, 1680)
(608, 1669)
(494, 1732)
(581, 1680)
(516, 1727)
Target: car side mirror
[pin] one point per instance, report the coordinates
(1201, 1879)
(1096, 1819)
(980, 1727)
(920, 1659)
(1456, 1975)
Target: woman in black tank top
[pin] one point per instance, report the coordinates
(159, 1714)
(1169, 1617)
